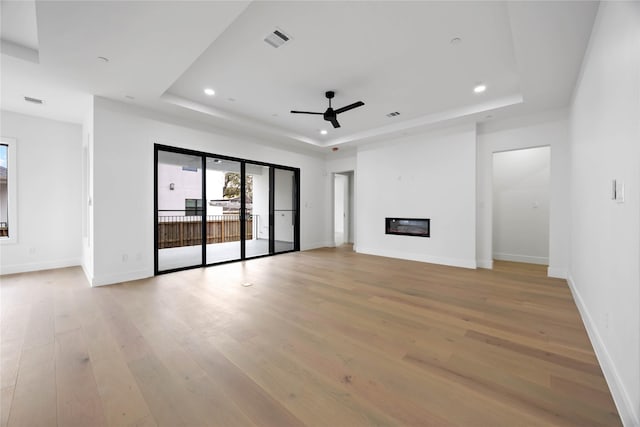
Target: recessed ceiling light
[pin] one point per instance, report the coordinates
(479, 88)
(130, 97)
(275, 114)
(103, 59)
(323, 132)
(231, 99)
(455, 40)
(393, 114)
(209, 91)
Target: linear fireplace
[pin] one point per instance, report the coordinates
(408, 226)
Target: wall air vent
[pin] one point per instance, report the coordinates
(277, 38)
(393, 114)
(34, 100)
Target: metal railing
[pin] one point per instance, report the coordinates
(179, 230)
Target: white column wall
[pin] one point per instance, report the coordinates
(604, 273)
(123, 176)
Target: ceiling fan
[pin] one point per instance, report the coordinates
(330, 114)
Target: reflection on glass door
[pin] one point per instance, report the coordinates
(179, 210)
(284, 210)
(257, 210)
(223, 210)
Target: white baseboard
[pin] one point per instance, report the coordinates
(621, 398)
(485, 263)
(454, 262)
(557, 272)
(521, 258)
(317, 245)
(37, 266)
(120, 277)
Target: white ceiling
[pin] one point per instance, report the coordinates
(394, 56)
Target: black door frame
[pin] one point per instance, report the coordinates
(203, 155)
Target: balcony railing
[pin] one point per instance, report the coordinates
(176, 231)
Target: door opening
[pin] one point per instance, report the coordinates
(343, 222)
(521, 205)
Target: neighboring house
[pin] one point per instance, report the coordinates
(4, 207)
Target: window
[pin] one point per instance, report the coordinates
(8, 226)
(193, 207)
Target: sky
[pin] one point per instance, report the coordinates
(3, 156)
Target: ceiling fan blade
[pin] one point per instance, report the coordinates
(335, 123)
(350, 107)
(305, 112)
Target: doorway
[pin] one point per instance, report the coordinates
(212, 209)
(343, 218)
(521, 187)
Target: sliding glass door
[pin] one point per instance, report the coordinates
(223, 210)
(257, 209)
(211, 209)
(285, 213)
(179, 209)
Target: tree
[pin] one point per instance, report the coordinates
(231, 187)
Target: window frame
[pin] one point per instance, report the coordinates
(198, 209)
(12, 195)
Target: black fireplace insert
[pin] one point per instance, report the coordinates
(408, 226)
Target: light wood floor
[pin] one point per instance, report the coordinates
(324, 338)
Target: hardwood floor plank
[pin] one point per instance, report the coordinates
(323, 337)
(6, 399)
(34, 398)
(79, 403)
(121, 399)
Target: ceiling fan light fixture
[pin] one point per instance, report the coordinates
(323, 132)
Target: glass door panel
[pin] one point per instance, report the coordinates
(284, 202)
(257, 210)
(179, 210)
(223, 210)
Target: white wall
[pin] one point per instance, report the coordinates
(550, 129)
(186, 185)
(605, 236)
(123, 177)
(521, 205)
(430, 175)
(49, 194)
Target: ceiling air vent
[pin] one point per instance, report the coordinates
(33, 100)
(393, 114)
(277, 38)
